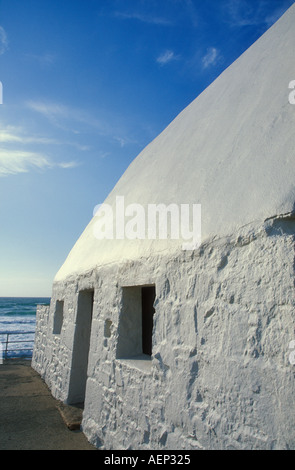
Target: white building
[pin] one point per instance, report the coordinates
(209, 367)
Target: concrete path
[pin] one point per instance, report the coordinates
(30, 418)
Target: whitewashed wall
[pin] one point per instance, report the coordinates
(220, 376)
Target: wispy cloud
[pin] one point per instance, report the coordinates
(211, 58)
(270, 19)
(241, 13)
(67, 117)
(192, 11)
(166, 57)
(144, 18)
(13, 162)
(44, 60)
(77, 121)
(16, 161)
(9, 136)
(3, 41)
(67, 165)
(50, 110)
(16, 158)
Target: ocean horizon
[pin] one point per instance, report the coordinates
(17, 323)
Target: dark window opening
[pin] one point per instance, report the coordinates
(148, 295)
(58, 317)
(136, 322)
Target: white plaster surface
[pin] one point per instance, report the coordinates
(231, 150)
(220, 375)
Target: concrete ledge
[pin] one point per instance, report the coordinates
(72, 415)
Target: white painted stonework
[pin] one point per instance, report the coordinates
(220, 375)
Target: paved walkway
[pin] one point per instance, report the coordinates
(29, 416)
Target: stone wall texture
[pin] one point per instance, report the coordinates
(220, 375)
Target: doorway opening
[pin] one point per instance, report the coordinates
(79, 366)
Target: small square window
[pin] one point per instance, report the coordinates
(136, 322)
(58, 317)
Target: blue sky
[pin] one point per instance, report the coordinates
(87, 84)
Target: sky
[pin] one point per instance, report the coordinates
(87, 84)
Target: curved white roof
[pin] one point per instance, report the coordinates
(232, 150)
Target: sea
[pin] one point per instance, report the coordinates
(17, 325)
